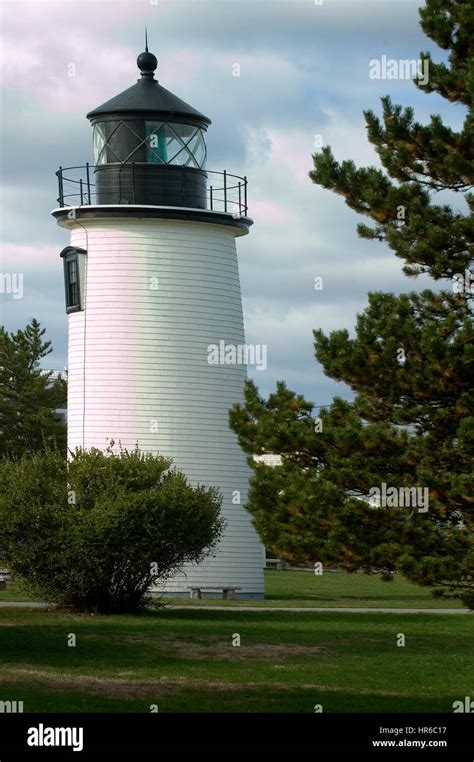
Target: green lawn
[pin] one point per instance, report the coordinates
(184, 661)
(304, 589)
(14, 592)
(340, 589)
(337, 589)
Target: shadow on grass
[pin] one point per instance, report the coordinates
(382, 600)
(40, 698)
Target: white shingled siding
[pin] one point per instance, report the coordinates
(138, 370)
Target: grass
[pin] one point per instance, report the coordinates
(339, 590)
(304, 589)
(184, 661)
(14, 592)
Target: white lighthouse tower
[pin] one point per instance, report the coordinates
(152, 282)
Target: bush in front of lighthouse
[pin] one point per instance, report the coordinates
(95, 533)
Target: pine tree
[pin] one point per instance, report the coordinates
(410, 365)
(28, 396)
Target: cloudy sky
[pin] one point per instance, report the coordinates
(304, 72)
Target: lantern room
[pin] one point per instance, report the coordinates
(149, 146)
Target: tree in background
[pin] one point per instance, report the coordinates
(410, 365)
(28, 395)
(95, 533)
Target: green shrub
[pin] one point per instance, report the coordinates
(95, 533)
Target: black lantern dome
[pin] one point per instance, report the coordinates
(149, 145)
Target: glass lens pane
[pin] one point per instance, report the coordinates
(156, 146)
(190, 161)
(184, 131)
(124, 141)
(177, 144)
(198, 148)
(98, 138)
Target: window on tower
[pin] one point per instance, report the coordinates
(74, 264)
(99, 144)
(72, 283)
(181, 144)
(149, 142)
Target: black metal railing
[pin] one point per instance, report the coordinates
(132, 183)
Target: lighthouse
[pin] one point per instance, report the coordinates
(152, 285)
